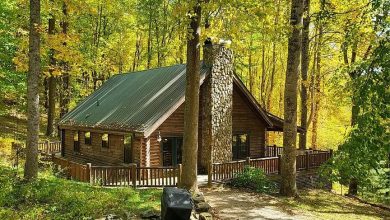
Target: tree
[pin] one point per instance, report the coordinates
(288, 171)
(191, 113)
(363, 158)
(304, 69)
(316, 78)
(51, 81)
(64, 94)
(31, 166)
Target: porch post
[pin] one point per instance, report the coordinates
(179, 167)
(134, 175)
(307, 160)
(209, 175)
(279, 163)
(275, 151)
(89, 174)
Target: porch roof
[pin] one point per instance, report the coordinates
(278, 124)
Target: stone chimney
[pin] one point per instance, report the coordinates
(216, 105)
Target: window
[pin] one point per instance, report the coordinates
(240, 146)
(127, 140)
(76, 136)
(87, 138)
(76, 143)
(105, 141)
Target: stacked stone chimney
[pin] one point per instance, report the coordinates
(217, 104)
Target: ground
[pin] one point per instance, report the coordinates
(51, 197)
(235, 204)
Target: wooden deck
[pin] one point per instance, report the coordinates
(221, 172)
(129, 175)
(132, 175)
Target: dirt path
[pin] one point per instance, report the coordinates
(230, 203)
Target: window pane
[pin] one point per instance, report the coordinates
(105, 137)
(127, 139)
(105, 141)
(87, 138)
(76, 136)
(243, 145)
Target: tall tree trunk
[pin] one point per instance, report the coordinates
(272, 78)
(288, 171)
(317, 83)
(149, 39)
(137, 52)
(65, 91)
(263, 74)
(250, 69)
(317, 100)
(51, 84)
(353, 184)
(34, 66)
(304, 69)
(191, 114)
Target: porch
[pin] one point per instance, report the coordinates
(140, 176)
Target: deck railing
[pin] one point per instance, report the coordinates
(130, 175)
(49, 147)
(73, 170)
(220, 172)
(274, 151)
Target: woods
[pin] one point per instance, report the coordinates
(125, 82)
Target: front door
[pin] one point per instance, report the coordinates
(171, 151)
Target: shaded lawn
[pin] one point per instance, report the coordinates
(326, 205)
(54, 198)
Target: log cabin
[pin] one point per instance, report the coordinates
(138, 117)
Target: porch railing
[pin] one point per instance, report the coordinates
(274, 151)
(130, 175)
(219, 172)
(49, 147)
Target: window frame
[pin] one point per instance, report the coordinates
(76, 144)
(239, 145)
(105, 144)
(89, 142)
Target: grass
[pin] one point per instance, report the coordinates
(325, 205)
(50, 197)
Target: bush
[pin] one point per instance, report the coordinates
(253, 178)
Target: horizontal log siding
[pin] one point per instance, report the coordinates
(245, 120)
(172, 127)
(94, 152)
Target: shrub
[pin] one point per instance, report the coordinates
(253, 178)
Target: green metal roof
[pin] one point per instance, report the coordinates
(132, 101)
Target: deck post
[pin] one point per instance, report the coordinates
(179, 167)
(209, 175)
(134, 175)
(275, 153)
(47, 146)
(330, 153)
(68, 168)
(279, 163)
(307, 160)
(89, 174)
(248, 161)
